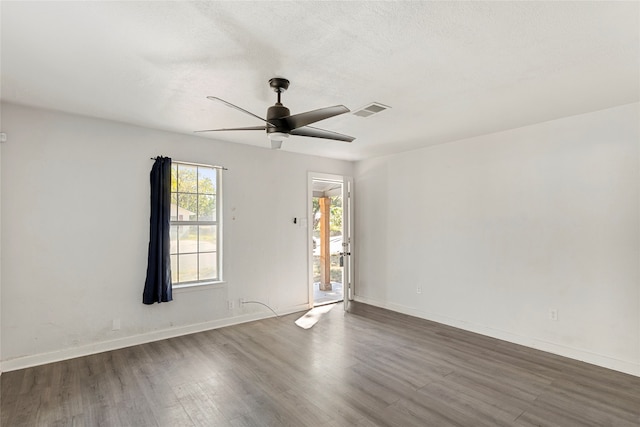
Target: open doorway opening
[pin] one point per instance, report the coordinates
(329, 233)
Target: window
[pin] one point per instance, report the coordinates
(195, 224)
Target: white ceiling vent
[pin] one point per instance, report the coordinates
(370, 109)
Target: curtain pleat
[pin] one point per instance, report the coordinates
(157, 286)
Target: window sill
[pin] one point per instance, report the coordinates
(199, 286)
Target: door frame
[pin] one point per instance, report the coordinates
(347, 228)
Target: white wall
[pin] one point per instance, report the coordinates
(75, 228)
(501, 228)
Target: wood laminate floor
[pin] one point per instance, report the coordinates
(369, 367)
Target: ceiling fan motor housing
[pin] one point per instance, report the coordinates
(274, 113)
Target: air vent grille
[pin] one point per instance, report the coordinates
(370, 109)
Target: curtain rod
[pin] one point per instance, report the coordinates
(198, 164)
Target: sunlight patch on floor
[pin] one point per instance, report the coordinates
(312, 316)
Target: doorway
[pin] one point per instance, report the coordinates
(329, 239)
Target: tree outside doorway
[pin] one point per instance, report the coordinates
(333, 206)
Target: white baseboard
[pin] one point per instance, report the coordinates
(550, 347)
(99, 347)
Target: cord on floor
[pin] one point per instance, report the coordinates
(261, 303)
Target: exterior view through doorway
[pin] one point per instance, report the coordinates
(330, 239)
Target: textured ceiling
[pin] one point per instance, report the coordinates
(449, 70)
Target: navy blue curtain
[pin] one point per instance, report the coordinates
(157, 287)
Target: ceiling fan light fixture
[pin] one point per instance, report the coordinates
(276, 139)
(276, 145)
(278, 136)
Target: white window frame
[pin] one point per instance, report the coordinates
(217, 222)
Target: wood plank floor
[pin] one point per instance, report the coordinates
(369, 367)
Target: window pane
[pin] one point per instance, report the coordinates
(206, 208)
(174, 269)
(188, 268)
(208, 267)
(187, 207)
(173, 215)
(187, 239)
(174, 177)
(193, 248)
(187, 179)
(206, 181)
(173, 240)
(207, 238)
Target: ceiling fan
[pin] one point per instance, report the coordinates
(279, 123)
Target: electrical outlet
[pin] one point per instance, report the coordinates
(115, 325)
(553, 314)
(418, 289)
(241, 300)
(230, 304)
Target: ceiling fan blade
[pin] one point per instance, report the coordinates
(228, 104)
(245, 128)
(321, 133)
(303, 119)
